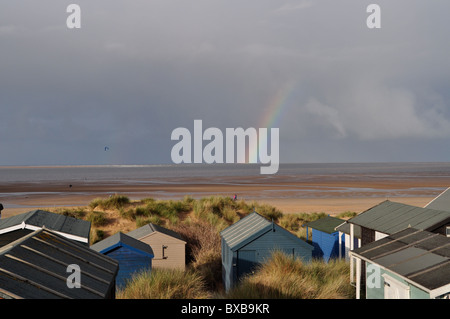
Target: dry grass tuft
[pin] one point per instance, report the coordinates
(164, 284)
(284, 277)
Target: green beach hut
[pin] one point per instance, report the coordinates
(410, 264)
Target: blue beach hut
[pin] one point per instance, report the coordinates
(325, 237)
(132, 255)
(250, 241)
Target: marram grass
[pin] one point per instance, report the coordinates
(285, 277)
(279, 277)
(164, 284)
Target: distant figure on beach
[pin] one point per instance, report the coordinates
(1, 208)
(235, 197)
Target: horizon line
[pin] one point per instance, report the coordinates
(212, 164)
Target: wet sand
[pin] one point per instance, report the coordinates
(329, 194)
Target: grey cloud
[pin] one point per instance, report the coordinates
(137, 70)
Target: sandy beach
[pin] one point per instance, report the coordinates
(329, 194)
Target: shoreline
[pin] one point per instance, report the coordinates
(331, 206)
(330, 194)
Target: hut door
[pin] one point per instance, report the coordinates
(394, 289)
(246, 261)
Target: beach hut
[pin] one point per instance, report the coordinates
(252, 240)
(389, 217)
(168, 246)
(409, 264)
(131, 254)
(345, 244)
(326, 240)
(15, 227)
(46, 265)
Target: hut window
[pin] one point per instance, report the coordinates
(164, 247)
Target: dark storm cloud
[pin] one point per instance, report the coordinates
(136, 70)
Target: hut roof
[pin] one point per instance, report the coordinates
(416, 255)
(120, 239)
(151, 229)
(441, 202)
(36, 267)
(326, 224)
(251, 227)
(390, 217)
(70, 227)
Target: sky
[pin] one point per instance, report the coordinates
(113, 91)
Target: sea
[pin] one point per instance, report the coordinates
(142, 173)
(296, 180)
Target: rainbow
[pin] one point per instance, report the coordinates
(272, 114)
